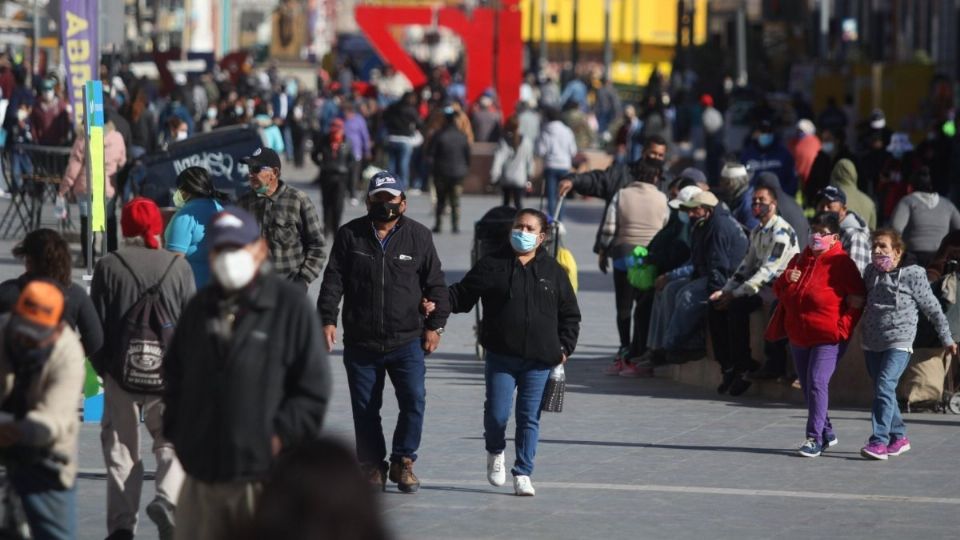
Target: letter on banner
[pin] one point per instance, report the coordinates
(93, 99)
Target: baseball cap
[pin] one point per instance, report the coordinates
(48, 84)
(704, 198)
(806, 127)
(384, 181)
(232, 227)
(38, 310)
(262, 157)
(832, 194)
(695, 174)
(683, 196)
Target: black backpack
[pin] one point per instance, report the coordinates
(147, 331)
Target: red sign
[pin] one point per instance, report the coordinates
(492, 38)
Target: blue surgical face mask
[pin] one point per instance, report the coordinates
(523, 242)
(828, 147)
(684, 217)
(765, 139)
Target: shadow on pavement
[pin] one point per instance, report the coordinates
(653, 446)
(467, 490)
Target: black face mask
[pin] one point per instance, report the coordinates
(760, 210)
(658, 163)
(384, 211)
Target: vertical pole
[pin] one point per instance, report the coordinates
(35, 50)
(607, 45)
(824, 29)
(530, 30)
(543, 30)
(742, 44)
(636, 42)
(575, 42)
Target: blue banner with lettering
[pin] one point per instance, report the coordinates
(81, 49)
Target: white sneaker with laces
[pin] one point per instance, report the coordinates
(523, 487)
(496, 473)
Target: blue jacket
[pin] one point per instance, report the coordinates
(743, 212)
(719, 245)
(776, 159)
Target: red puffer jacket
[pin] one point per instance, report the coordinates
(814, 307)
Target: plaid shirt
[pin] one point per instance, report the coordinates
(291, 225)
(855, 238)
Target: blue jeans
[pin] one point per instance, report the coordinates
(19, 166)
(885, 368)
(678, 311)
(503, 375)
(51, 511)
(551, 180)
(398, 161)
(366, 371)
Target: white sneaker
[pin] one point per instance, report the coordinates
(523, 487)
(496, 474)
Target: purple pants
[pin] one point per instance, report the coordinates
(815, 366)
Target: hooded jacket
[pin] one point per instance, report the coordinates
(787, 207)
(529, 312)
(894, 299)
(719, 245)
(815, 307)
(844, 176)
(775, 159)
(557, 146)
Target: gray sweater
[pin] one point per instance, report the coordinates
(924, 219)
(890, 316)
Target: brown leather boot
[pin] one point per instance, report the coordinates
(402, 474)
(376, 474)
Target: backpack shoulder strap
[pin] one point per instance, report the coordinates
(166, 272)
(126, 265)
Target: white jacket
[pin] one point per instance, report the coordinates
(557, 146)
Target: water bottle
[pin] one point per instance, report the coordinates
(556, 386)
(60, 208)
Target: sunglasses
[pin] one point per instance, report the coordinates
(255, 169)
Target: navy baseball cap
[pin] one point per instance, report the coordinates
(262, 157)
(832, 194)
(232, 227)
(384, 181)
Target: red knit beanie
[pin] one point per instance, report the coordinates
(141, 217)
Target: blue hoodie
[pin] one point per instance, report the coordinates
(776, 159)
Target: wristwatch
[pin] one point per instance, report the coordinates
(440, 331)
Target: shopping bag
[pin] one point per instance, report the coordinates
(923, 379)
(641, 274)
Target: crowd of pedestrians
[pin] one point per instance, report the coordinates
(212, 342)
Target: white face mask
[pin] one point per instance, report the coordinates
(235, 269)
(181, 135)
(211, 113)
(48, 95)
(22, 114)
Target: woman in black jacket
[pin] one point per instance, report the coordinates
(46, 255)
(530, 324)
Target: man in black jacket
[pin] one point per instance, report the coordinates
(606, 183)
(246, 377)
(449, 155)
(381, 265)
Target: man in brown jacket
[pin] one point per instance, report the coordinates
(41, 377)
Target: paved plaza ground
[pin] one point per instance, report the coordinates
(644, 458)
